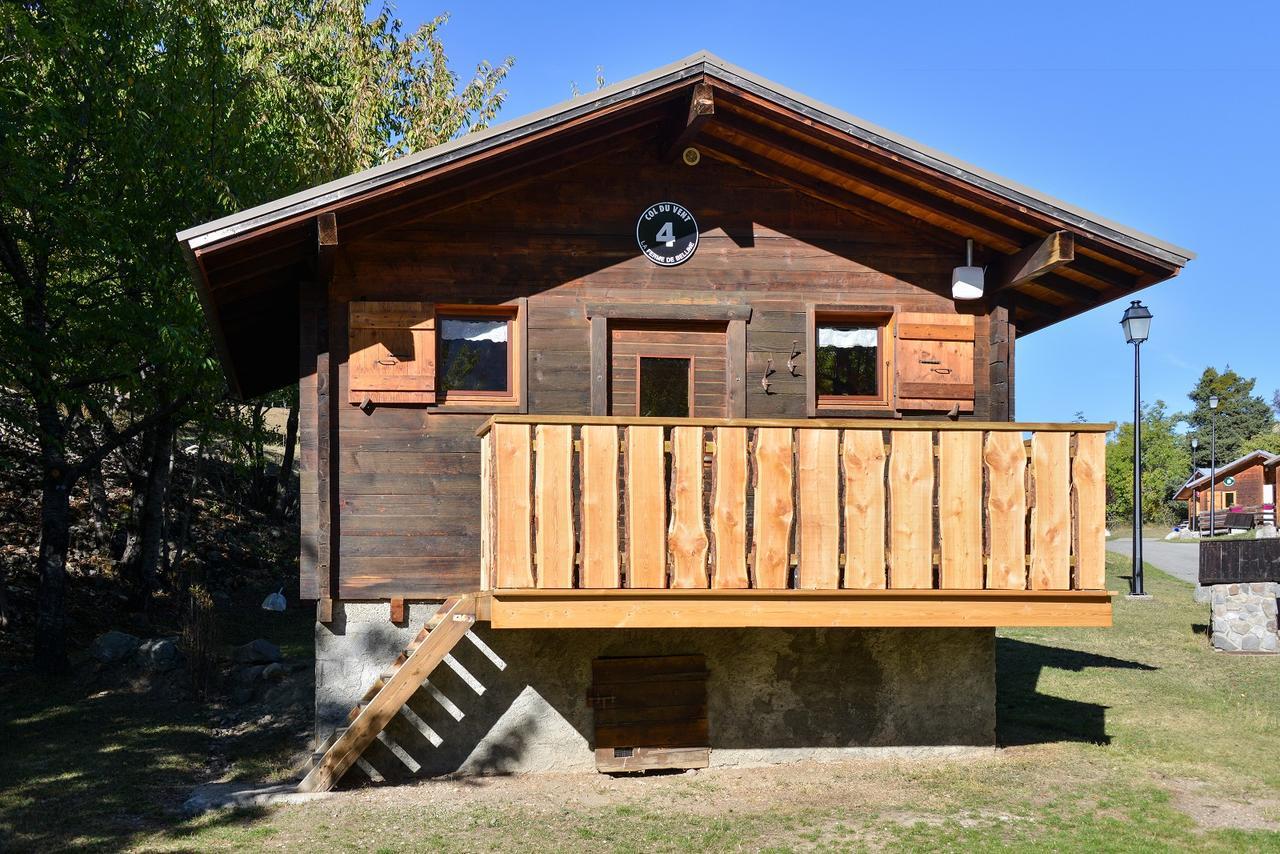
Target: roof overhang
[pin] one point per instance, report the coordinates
(1239, 464)
(839, 158)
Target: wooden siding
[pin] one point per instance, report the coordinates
(408, 477)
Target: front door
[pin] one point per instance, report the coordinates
(668, 370)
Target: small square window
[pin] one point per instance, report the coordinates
(475, 352)
(849, 360)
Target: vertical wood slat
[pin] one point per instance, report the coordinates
(1089, 478)
(960, 509)
(553, 497)
(512, 555)
(862, 453)
(599, 506)
(686, 536)
(486, 510)
(1051, 515)
(1006, 460)
(818, 486)
(729, 509)
(911, 508)
(773, 508)
(646, 503)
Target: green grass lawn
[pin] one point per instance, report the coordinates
(1134, 738)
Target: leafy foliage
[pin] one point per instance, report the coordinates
(1166, 465)
(121, 123)
(1241, 415)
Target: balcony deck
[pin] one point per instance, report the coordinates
(597, 522)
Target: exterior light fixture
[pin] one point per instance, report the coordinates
(1137, 326)
(967, 282)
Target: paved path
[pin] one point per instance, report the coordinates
(1181, 560)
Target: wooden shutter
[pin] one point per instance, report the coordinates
(393, 352)
(935, 361)
(651, 712)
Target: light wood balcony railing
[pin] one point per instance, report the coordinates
(664, 509)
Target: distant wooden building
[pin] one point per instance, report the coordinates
(663, 392)
(1245, 485)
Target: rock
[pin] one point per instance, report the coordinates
(1220, 641)
(249, 675)
(1202, 594)
(160, 653)
(1266, 532)
(1250, 643)
(256, 652)
(274, 672)
(114, 646)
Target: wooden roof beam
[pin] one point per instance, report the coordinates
(1034, 260)
(326, 246)
(827, 192)
(964, 220)
(702, 106)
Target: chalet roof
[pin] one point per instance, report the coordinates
(1239, 464)
(245, 261)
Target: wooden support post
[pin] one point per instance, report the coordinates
(399, 612)
(326, 420)
(702, 106)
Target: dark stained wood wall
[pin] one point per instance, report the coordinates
(407, 477)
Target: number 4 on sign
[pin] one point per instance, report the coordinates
(667, 233)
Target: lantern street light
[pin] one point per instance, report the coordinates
(1213, 461)
(1195, 502)
(1137, 326)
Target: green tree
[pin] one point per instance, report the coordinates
(1166, 465)
(121, 123)
(1241, 415)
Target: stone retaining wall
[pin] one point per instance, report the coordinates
(516, 700)
(1244, 616)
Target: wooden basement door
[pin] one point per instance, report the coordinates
(668, 370)
(650, 712)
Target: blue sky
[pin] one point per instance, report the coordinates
(1163, 116)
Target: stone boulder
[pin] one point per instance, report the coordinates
(160, 654)
(274, 672)
(114, 647)
(257, 652)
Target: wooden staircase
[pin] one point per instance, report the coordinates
(390, 692)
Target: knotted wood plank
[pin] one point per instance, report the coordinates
(960, 510)
(1006, 459)
(819, 523)
(1051, 514)
(862, 453)
(486, 512)
(1089, 479)
(599, 506)
(729, 509)
(646, 508)
(513, 559)
(687, 535)
(773, 508)
(553, 498)
(911, 506)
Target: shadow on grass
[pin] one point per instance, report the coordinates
(1025, 716)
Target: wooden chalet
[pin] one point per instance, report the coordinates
(678, 354)
(1243, 493)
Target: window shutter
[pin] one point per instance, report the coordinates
(393, 352)
(935, 361)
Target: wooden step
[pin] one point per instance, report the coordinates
(371, 716)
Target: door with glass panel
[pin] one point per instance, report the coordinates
(667, 370)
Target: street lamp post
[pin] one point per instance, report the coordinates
(1213, 461)
(1195, 501)
(1137, 326)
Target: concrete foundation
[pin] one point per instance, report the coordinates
(516, 700)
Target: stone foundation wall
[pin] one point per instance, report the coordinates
(515, 700)
(1244, 616)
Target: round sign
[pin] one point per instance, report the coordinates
(1228, 481)
(667, 234)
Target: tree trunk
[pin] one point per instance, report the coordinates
(99, 506)
(151, 523)
(285, 475)
(55, 538)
